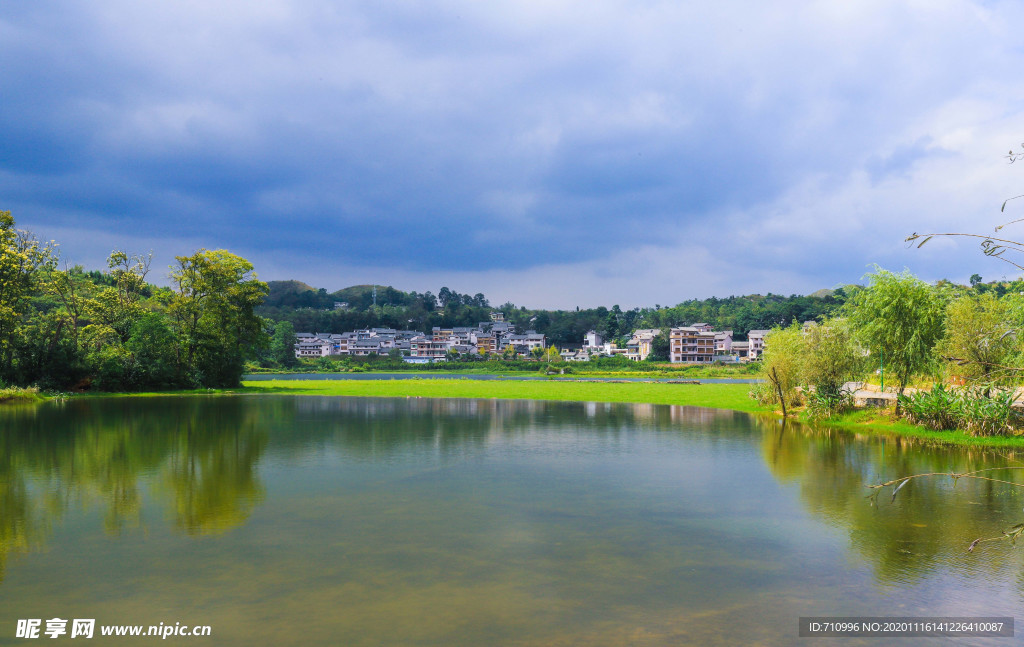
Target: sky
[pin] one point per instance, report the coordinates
(550, 153)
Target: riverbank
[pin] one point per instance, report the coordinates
(563, 370)
(877, 422)
(17, 395)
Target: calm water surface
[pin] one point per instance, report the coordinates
(283, 520)
(439, 375)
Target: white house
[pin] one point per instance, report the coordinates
(756, 340)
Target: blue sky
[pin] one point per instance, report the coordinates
(555, 154)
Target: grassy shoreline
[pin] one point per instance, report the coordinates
(720, 396)
(574, 370)
(872, 422)
(17, 395)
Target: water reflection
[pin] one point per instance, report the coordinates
(641, 523)
(203, 452)
(929, 525)
(199, 456)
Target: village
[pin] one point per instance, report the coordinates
(695, 344)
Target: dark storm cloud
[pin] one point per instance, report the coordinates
(460, 137)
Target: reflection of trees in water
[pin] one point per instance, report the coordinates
(374, 425)
(55, 456)
(931, 523)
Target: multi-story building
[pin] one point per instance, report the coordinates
(740, 350)
(723, 342)
(524, 343)
(364, 347)
(640, 345)
(593, 340)
(486, 343)
(756, 340)
(429, 348)
(313, 347)
(441, 334)
(692, 344)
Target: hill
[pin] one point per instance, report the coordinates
(289, 293)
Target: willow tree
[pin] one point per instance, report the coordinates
(980, 340)
(900, 317)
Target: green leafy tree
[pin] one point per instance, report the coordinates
(152, 346)
(282, 345)
(73, 290)
(660, 348)
(216, 293)
(115, 309)
(782, 365)
(900, 317)
(832, 357)
(23, 264)
(980, 338)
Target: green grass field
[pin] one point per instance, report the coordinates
(719, 396)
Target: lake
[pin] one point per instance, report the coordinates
(303, 520)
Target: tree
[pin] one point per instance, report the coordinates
(444, 296)
(114, 310)
(282, 345)
(832, 358)
(213, 309)
(660, 348)
(979, 340)
(781, 364)
(901, 317)
(23, 260)
(74, 291)
(975, 280)
(152, 346)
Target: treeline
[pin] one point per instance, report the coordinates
(64, 328)
(962, 340)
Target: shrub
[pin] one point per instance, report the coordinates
(935, 409)
(824, 403)
(975, 411)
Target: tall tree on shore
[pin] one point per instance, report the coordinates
(216, 293)
(22, 262)
(901, 317)
(782, 365)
